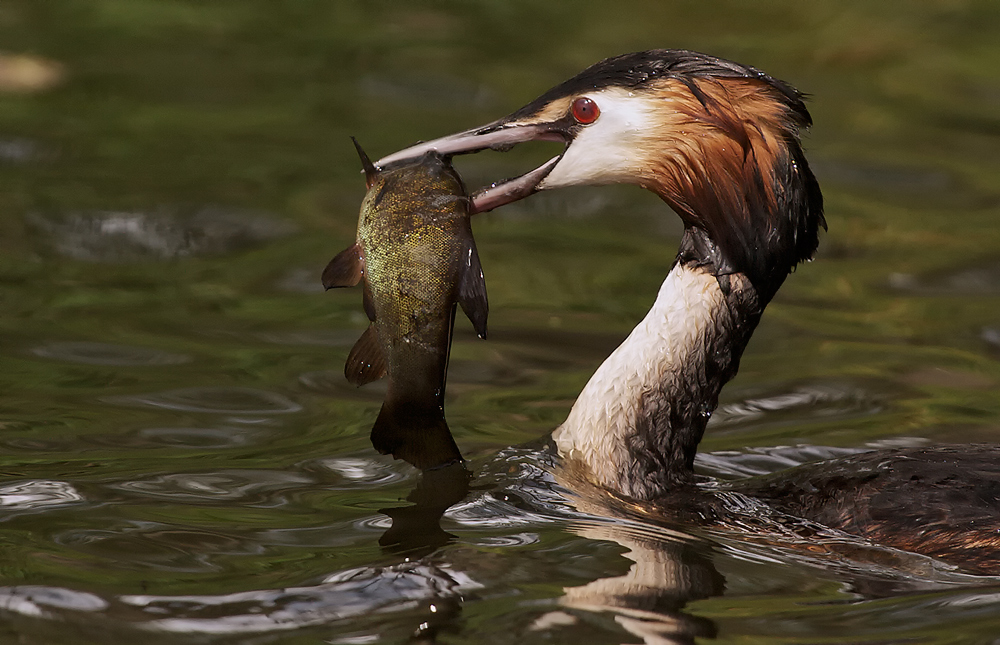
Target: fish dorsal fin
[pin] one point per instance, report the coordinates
(371, 172)
(346, 269)
(366, 362)
(472, 290)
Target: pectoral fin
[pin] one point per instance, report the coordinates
(366, 362)
(346, 269)
(472, 291)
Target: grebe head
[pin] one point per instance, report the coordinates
(718, 141)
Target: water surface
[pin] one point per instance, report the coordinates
(181, 460)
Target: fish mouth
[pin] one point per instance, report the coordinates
(500, 135)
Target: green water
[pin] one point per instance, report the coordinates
(181, 459)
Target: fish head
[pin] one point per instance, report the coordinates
(431, 171)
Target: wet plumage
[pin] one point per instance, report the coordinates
(947, 497)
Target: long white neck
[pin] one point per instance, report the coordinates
(638, 421)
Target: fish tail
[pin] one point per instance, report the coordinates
(416, 433)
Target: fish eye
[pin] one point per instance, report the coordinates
(585, 111)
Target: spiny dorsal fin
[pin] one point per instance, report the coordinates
(346, 269)
(472, 290)
(366, 362)
(371, 172)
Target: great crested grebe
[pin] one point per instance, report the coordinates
(719, 142)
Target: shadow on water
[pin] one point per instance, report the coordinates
(416, 529)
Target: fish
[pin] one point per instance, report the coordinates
(418, 262)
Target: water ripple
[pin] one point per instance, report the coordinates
(333, 382)
(347, 594)
(501, 510)
(761, 461)
(34, 494)
(751, 462)
(199, 437)
(804, 401)
(319, 537)
(512, 540)
(216, 438)
(30, 600)
(107, 354)
(158, 546)
(359, 472)
(218, 400)
(214, 486)
(30, 444)
(373, 524)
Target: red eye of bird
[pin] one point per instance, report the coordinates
(585, 111)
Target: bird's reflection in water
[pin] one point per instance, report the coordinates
(648, 600)
(669, 568)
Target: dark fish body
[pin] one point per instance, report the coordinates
(417, 257)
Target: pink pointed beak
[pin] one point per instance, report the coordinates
(500, 135)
